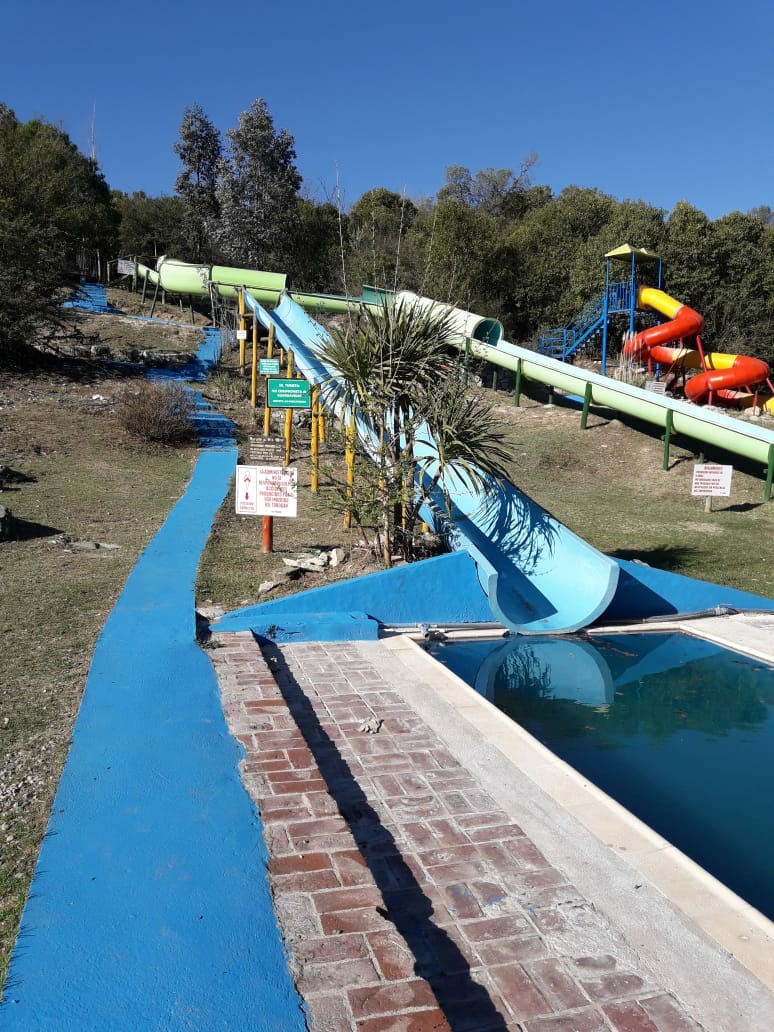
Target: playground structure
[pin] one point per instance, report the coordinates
(719, 377)
(501, 571)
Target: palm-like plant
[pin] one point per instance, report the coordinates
(391, 374)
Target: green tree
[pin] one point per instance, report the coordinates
(456, 243)
(56, 220)
(257, 193)
(317, 262)
(199, 150)
(689, 253)
(743, 307)
(150, 226)
(491, 190)
(379, 222)
(386, 369)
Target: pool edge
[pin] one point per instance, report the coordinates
(711, 907)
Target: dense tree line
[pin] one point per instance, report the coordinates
(56, 217)
(490, 240)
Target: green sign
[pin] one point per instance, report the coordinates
(268, 366)
(288, 394)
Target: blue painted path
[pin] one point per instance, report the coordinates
(150, 907)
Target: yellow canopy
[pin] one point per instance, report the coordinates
(625, 252)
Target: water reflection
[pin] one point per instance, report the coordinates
(656, 683)
(675, 728)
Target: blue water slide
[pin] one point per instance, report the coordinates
(538, 576)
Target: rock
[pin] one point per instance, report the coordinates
(336, 556)
(211, 612)
(310, 563)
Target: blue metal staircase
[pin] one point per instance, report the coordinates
(564, 342)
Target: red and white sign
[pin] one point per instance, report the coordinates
(711, 479)
(267, 491)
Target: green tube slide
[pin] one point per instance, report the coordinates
(266, 287)
(467, 324)
(734, 435)
(331, 303)
(178, 277)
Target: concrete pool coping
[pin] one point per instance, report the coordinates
(698, 912)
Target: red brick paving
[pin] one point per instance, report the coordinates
(408, 900)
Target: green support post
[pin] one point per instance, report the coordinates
(155, 295)
(467, 355)
(586, 403)
(769, 475)
(667, 435)
(517, 384)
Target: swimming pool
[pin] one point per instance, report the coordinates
(678, 730)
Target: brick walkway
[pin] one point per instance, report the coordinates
(408, 900)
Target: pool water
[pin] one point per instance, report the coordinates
(676, 729)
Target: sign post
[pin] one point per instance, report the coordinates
(288, 393)
(710, 479)
(267, 491)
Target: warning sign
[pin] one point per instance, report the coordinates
(711, 479)
(266, 451)
(267, 491)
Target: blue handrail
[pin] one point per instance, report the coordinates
(565, 341)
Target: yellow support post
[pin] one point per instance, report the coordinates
(320, 419)
(315, 439)
(349, 454)
(291, 371)
(288, 434)
(267, 410)
(254, 371)
(242, 331)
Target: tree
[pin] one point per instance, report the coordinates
(199, 151)
(689, 257)
(386, 371)
(257, 193)
(743, 307)
(491, 190)
(56, 219)
(378, 224)
(150, 226)
(456, 243)
(317, 263)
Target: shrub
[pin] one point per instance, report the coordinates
(226, 385)
(160, 412)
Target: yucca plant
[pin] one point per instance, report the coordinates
(392, 372)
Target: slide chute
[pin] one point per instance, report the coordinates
(721, 376)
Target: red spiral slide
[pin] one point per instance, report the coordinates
(721, 376)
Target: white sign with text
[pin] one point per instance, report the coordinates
(711, 479)
(267, 491)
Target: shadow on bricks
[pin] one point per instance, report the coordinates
(437, 958)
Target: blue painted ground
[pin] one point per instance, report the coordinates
(150, 908)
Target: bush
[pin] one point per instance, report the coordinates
(160, 412)
(226, 385)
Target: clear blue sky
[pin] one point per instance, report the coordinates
(661, 102)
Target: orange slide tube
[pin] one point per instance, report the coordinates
(683, 322)
(724, 373)
(741, 371)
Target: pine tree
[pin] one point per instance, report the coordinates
(258, 193)
(199, 150)
(56, 221)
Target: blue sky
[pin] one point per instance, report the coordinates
(661, 102)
